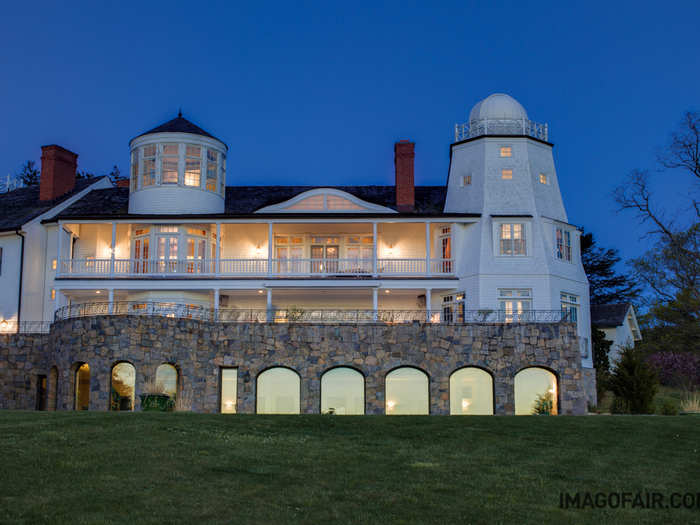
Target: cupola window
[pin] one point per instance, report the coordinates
(212, 161)
(170, 161)
(193, 165)
(149, 165)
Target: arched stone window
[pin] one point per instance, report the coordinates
(122, 387)
(407, 392)
(471, 392)
(535, 388)
(53, 388)
(82, 387)
(278, 391)
(343, 391)
(166, 380)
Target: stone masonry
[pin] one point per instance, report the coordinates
(198, 349)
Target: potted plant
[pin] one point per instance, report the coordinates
(154, 398)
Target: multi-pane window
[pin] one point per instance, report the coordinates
(514, 303)
(512, 239)
(466, 180)
(169, 160)
(134, 169)
(563, 244)
(506, 174)
(193, 165)
(222, 180)
(506, 151)
(569, 307)
(453, 308)
(212, 164)
(149, 166)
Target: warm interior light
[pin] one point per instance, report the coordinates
(387, 291)
(98, 291)
(228, 404)
(390, 405)
(53, 264)
(465, 404)
(260, 291)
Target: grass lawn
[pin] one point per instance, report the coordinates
(83, 467)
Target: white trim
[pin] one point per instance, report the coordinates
(283, 207)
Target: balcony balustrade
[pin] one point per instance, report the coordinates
(226, 268)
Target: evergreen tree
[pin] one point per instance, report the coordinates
(606, 285)
(634, 383)
(29, 174)
(601, 361)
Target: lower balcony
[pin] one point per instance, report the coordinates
(232, 268)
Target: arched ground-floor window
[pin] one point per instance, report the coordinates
(166, 380)
(122, 387)
(278, 391)
(407, 392)
(535, 392)
(471, 392)
(53, 388)
(82, 387)
(343, 391)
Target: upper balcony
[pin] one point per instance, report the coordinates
(257, 250)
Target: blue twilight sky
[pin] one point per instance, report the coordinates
(317, 93)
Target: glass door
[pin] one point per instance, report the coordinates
(196, 253)
(141, 255)
(167, 253)
(324, 259)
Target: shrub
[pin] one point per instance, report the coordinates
(668, 408)
(543, 405)
(677, 369)
(691, 404)
(633, 382)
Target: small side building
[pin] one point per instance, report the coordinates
(619, 323)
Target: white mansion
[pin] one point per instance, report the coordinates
(493, 245)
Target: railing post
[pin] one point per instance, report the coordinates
(427, 248)
(268, 316)
(374, 249)
(111, 248)
(428, 301)
(375, 305)
(110, 298)
(217, 268)
(216, 304)
(269, 248)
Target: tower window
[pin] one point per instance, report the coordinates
(506, 151)
(512, 239)
(466, 180)
(149, 166)
(193, 165)
(169, 164)
(563, 244)
(507, 174)
(543, 178)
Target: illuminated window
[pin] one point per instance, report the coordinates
(310, 203)
(222, 181)
(563, 244)
(569, 307)
(148, 176)
(515, 304)
(169, 164)
(466, 180)
(193, 165)
(54, 263)
(543, 178)
(278, 392)
(229, 389)
(507, 174)
(506, 151)
(53, 294)
(134, 169)
(535, 388)
(512, 239)
(82, 387)
(343, 392)
(471, 392)
(212, 163)
(166, 380)
(122, 387)
(407, 392)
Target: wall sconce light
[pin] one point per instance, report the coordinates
(3, 325)
(387, 291)
(246, 377)
(98, 291)
(258, 251)
(260, 291)
(390, 250)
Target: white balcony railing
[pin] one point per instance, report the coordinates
(252, 267)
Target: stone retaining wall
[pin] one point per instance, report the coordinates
(198, 349)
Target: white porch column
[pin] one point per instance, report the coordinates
(110, 298)
(58, 241)
(375, 304)
(374, 253)
(269, 253)
(217, 268)
(428, 302)
(427, 248)
(268, 315)
(111, 248)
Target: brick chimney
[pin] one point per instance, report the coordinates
(404, 153)
(58, 167)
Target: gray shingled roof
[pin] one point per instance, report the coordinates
(245, 200)
(609, 315)
(179, 125)
(20, 206)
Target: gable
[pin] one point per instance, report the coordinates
(325, 200)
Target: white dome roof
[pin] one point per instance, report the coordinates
(498, 106)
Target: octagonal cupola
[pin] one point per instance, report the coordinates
(177, 168)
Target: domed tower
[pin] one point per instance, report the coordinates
(177, 168)
(521, 254)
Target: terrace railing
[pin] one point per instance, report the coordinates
(109, 268)
(24, 327)
(478, 128)
(304, 315)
